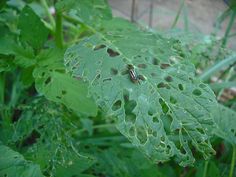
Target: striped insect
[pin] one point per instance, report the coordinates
(133, 76)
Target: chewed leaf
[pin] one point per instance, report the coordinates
(13, 164)
(226, 124)
(134, 75)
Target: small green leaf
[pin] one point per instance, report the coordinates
(32, 29)
(13, 164)
(225, 120)
(62, 88)
(91, 12)
(52, 81)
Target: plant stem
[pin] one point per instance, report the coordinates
(186, 21)
(58, 31)
(231, 173)
(205, 168)
(231, 71)
(178, 14)
(229, 27)
(151, 13)
(217, 67)
(2, 91)
(133, 10)
(50, 17)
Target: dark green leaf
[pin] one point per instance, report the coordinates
(32, 29)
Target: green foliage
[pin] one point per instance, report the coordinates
(13, 164)
(32, 29)
(168, 102)
(85, 94)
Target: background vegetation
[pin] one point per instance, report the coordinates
(69, 106)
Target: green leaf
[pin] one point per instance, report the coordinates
(89, 12)
(60, 87)
(6, 40)
(163, 113)
(32, 29)
(225, 120)
(13, 164)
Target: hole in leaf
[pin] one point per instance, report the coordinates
(58, 97)
(165, 65)
(169, 79)
(48, 80)
(112, 53)
(114, 71)
(155, 61)
(153, 74)
(163, 85)
(31, 139)
(116, 105)
(181, 87)
(132, 131)
(173, 100)
(141, 134)
(98, 76)
(142, 66)
(155, 119)
(197, 92)
(202, 85)
(164, 106)
(107, 79)
(99, 47)
(63, 92)
(130, 118)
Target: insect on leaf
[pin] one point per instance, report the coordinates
(164, 115)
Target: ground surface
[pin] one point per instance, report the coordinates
(201, 14)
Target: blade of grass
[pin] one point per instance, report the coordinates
(229, 74)
(186, 21)
(133, 10)
(222, 85)
(205, 168)
(217, 67)
(178, 14)
(231, 173)
(229, 27)
(150, 13)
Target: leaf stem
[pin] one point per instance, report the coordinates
(58, 31)
(205, 168)
(231, 173)
(50, 17)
